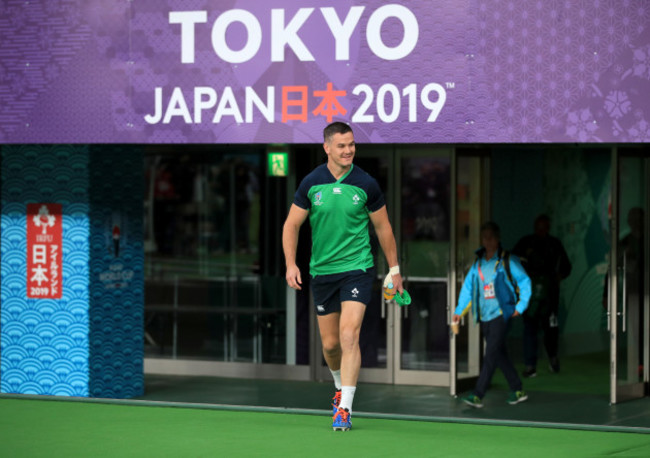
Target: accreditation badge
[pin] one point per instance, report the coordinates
(488, 291)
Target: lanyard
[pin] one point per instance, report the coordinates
(481, 273)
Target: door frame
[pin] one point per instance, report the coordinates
(622, 392)
(459, 384)
(411, 376)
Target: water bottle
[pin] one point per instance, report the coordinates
(389, 292)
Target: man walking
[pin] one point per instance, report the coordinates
(339, 199)
(547, 264)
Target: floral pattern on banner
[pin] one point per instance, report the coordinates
(568, 70)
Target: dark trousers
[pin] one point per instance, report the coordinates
(532, 325)
(496, 355)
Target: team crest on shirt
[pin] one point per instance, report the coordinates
(356, 199)
(317, 198)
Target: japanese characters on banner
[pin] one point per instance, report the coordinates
(44, 250)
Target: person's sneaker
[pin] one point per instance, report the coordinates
(342, 420)
(516, 397)
(473, 400)
(336, 400)
(529, 372)
(554, 365)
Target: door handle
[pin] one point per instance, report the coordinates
(609, 298)
(624, 314)
(406, 307)
(449, 295)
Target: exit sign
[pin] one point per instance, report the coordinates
(278, 164)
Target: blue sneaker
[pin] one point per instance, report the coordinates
(342, 420)
(336, 400)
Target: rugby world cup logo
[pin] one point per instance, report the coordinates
(317, 198)
(44, 219)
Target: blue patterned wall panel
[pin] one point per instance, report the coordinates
(89, 342)
(45, 341)
(116, 272)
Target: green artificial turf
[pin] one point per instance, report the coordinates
(34, 428)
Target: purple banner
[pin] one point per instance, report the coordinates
(438, 71)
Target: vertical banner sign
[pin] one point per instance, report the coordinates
(44, 250)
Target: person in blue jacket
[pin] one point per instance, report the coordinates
(495, 289)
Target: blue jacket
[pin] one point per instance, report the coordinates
(504, 289)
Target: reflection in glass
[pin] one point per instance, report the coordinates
(208, 294)
(425, 252)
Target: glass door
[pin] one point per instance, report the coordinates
(434, 230)
(421, 333)
(410, 345)
(470, 208)
(628, 293)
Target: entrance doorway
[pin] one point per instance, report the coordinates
(411, 345)
(571, 184)
(437, 198)
(597, 199)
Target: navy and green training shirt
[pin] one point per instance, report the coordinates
(339, 214)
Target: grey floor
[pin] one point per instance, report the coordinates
(581, 410)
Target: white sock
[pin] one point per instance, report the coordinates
(337, 378)
(347, 396)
